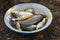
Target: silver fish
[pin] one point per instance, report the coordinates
(32, 20)
(24, 15)
(18, 25)
(41, 24)
(30, 28)
(29, 10)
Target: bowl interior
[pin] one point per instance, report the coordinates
(38, 8)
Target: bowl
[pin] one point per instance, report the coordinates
(39, 8)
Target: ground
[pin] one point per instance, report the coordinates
(51, 33)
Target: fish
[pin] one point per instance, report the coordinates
(30, 28)
(41, 24)
(31, 20)
(29, 10)
(13, 13)
(24, 15)
(17, 24)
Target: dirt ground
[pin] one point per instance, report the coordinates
(51, 33)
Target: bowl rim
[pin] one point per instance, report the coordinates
(10, 27)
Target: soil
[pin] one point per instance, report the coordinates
(51, 33)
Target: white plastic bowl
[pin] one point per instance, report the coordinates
(42, 8)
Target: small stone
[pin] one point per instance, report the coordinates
(51, 1)
(1, 16)
(52, 10)
(41, 36)
(56, 27)
(53, 37)
(8, 38)
(1, 29)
